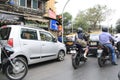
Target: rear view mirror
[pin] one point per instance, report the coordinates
(54, 40)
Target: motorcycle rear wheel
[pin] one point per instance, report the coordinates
(75, 61)
(101, 61)
(19, 73)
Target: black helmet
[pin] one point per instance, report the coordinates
(80, 30)
(104, 29)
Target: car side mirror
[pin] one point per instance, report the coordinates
(54, 40)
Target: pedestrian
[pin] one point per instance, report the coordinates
(59, 37)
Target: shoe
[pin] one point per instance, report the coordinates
(114, 63)
(85, 59)
(85, 56)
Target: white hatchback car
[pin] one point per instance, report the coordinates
(32, 44)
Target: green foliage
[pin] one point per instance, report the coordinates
(80, 21)
(91, 17)
(67, 17)
(96, 13)
(118, 26)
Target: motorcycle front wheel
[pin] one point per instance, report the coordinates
(17, 73)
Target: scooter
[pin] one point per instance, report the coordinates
(77, 56)
(13, 68)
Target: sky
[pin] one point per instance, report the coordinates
(74, 6)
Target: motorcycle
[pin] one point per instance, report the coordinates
(13, 68)
(118, 56)
(77, 56)
(117, 49)
(104, 55)
(119, 75)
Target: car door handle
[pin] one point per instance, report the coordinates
(43, 44)
(24, 44)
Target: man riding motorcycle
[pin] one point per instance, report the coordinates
(81, 35)
(104, 39)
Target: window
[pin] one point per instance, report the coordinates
(29, 34)
(46, 36)
(35, 4)
(4, 33)
(16, 2)
(29, 3)
(40, 5)
(22, 2)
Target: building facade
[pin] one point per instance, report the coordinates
(23, 10)
(41, 13)
(51, 14)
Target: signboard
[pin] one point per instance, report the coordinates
(8, 17)
(53, 25)
(52, 14)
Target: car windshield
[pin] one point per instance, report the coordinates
(94, 37)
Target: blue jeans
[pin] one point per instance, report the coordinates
(112, 50)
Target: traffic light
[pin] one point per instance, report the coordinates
(59, 19)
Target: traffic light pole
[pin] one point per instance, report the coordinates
(63, 19)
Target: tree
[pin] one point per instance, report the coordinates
(118, 26)
(67, 18)
(91, 17)
(96, 15)
(80, 21)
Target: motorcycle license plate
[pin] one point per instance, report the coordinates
(73, 51)
(99, 51)
(93, 43)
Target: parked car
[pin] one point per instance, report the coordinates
(93, 44)
(32, 44)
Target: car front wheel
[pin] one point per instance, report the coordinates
(61, 56)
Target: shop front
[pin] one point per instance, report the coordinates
(7, 19)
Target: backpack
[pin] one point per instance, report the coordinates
(80, 40)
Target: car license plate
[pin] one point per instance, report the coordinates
(93, 43)
(73, 51)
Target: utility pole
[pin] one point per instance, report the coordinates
(63, 17)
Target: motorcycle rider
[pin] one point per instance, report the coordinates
(104, 39)
(82, 36)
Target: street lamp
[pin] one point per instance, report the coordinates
(62, 17)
